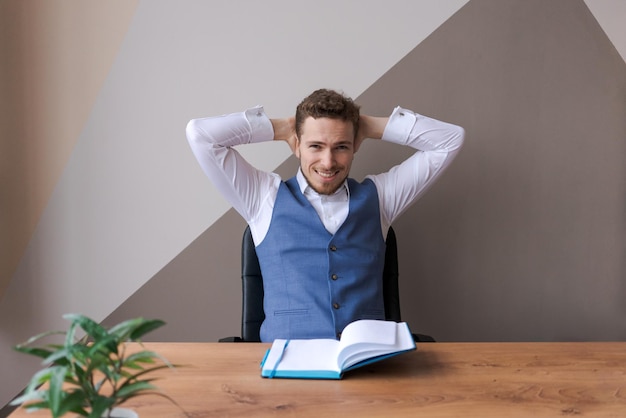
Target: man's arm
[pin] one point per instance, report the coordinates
(285, 130)
(371, 127)
(212, 140)
(436, 143)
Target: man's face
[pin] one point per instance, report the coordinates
(325, 149)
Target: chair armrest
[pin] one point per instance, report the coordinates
(231, 340)
(422, 338)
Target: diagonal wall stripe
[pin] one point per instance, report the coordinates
(161, 288)
(611, 15)
(524, 234)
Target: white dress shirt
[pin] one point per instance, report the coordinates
(252, 192)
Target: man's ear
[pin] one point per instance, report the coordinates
(296, 149)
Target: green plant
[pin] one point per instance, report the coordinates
(92, 375)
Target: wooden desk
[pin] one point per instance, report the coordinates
(438, 380)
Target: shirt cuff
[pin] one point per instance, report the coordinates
(261, 129)
(399, 126)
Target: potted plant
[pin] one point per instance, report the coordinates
(93, 375)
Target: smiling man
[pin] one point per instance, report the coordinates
(320, 236)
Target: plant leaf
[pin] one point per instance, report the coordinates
(147, 354)
(146, 357)
(81, 368)
(39, 378)
(70, 335)
(29, 396)
(32, 407)
(91, 327)
(125, 328)
(134, 377)
(106, 345)
(34, 351)
(146, 327)
(55, 391)
(43, 351)
(100, 404)
(132, 389)
(40, 336)
(133, 329)
(74, 402)
(59, 357)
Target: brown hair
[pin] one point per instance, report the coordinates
(324, 103)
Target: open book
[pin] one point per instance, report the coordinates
(362, 342)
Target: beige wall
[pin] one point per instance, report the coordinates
(55, 59)
(103, 209)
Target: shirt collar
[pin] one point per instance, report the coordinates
(307, 190)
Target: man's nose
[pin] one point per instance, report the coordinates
(328, 158)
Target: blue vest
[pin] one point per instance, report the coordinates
(316, 283)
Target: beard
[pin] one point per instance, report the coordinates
(325, 188)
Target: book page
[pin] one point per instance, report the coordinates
(371, 338)
(305, 355)
(369, 331)
(362, 354)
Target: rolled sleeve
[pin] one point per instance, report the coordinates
(260, 125)
(399, 126)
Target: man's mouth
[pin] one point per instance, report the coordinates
(327, 174)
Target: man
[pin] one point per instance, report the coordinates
(320, 236)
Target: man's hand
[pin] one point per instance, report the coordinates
(285, 130)
(369, 127)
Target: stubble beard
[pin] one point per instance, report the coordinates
(324, 191)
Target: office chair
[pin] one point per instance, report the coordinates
(252, 314)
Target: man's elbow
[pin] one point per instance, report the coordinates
(457, 137)
(193, 131)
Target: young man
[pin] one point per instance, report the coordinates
(320, 236)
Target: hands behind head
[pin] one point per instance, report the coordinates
(369, 127)
(285, 130)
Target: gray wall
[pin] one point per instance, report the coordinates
(522, 239)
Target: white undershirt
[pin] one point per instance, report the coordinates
(332, 209)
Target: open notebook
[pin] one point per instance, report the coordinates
(362, 342)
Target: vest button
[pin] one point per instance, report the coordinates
(333, 248)
(336, 305)
(334, 277)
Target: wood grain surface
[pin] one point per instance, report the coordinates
(437, 380)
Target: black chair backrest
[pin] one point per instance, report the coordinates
(252, 286)
(252, 314)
